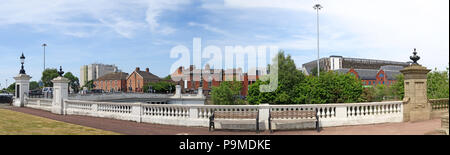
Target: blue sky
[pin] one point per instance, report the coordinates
(141, 33)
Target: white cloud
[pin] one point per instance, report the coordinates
(382, 29)
(209, 28)
(154, 10)
(86, 15)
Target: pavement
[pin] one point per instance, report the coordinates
(133, 128)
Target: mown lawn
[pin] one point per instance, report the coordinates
(16, 123)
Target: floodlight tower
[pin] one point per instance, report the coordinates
(318, 7)
(44, 45)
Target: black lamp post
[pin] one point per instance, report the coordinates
(22, 61)
(415, 57)
(60, 72)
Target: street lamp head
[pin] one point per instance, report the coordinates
(60, 72)
(22, 59)
(44, 45)
(317, 7)
(415, 57)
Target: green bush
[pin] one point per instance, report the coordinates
(159, 87)
(228, 93)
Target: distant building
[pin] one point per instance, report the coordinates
(386, 75)
(370, 72)
(94, 71)
(138, 79)
(112, 82)
(338, 62)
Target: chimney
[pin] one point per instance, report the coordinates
(180, 70)
(147, 70)
(138, 69)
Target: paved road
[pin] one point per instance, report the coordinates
(134, 128)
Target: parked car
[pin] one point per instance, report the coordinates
(6, 97)
(47, 90)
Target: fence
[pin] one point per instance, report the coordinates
(439, 104)
(198, 115)
(39, 103)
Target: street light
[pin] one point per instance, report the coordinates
(318, 7)
(44, 45)
(22, 61)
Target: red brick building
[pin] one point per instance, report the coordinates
(386, 75)
(189, 79)
(112, 82)
(138, 79)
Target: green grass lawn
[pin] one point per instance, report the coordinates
(16, 123)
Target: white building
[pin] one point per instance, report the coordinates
(94, 71)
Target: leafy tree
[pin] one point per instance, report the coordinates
(48, 75)
(255, 97)
(398, 87)
(228, 93)
(11, 88)
(168, 77)
(288, 77)
(331, 87)
(34, 85)
(90, 85)
(437, 84)
(74, 82)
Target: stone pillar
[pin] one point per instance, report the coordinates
(60, 92)
(264, 112)
(178, 90)
(22, 88)
(200, 91)
(416, 106)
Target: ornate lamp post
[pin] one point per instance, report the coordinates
(415, 57)
(60, 72)
(22, 61)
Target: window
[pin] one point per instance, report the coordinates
(209, 84)
(381, 75)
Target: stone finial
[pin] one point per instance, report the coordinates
(415, 57)
(60, 72)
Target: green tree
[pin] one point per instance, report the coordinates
(228, 93)
(437, 84)
(34, 85)
(11, 88)
(89, 85)
(74, 83)
(331, 87)
(398, 87)
(48, 75)
(255, 97)
(288, 77)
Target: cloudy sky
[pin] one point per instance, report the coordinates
(131, 33)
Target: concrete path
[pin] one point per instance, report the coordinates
(134, 128)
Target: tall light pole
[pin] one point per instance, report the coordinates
(44, 45)
(318, 7)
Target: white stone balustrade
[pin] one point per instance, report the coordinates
(198, 115)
